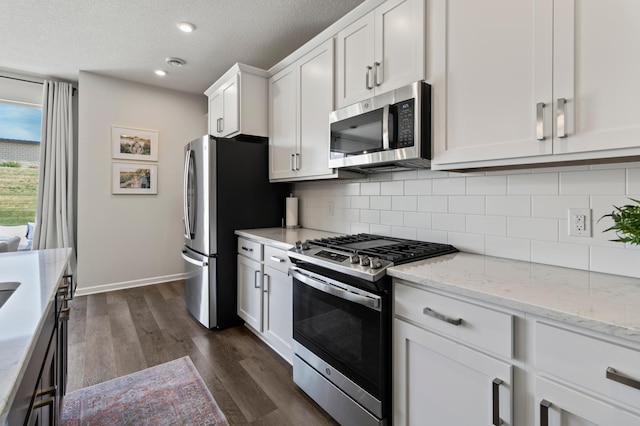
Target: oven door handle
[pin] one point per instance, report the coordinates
(373, 301)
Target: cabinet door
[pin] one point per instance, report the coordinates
(491, 66)
(439, 382)
(400, 40)
(595, 71)
(283, 110)
(215, 113)
(250, 292)
(355, 61)
(278, 311)
(560, 406)
(316, 103)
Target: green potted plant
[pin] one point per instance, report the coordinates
(626, 223)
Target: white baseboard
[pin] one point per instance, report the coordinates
(83, 291)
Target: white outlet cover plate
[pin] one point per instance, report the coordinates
(573, 222)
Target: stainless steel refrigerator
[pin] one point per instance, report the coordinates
(226, 187)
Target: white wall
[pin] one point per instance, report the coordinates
(518, 214)
(128, 240)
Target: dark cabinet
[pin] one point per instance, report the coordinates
(38, 400)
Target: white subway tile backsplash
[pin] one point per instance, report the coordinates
(449, 186)
(511, 248)
(433, 203)
(534, 184)
(448, 222)
(382, 202)
(532, 228)
(360, 202)
(508, 205)
(392, 218)
(370, 216)
(370, 188)
(487, 225)
(557, 206)
(593, 182)
(417, 220)
(633, 181)
(470, 243)
(404, 203)
(518, 214)
(417, 187)
(487, 185)
(392, 188)
(469, 204)
(560, 254)
(615, 261)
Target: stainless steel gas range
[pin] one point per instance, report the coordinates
(342, 312)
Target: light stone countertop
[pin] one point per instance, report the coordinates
(21, 316)
(599, 302)
(282, 237)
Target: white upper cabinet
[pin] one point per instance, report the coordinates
(381, 51)
(515, 82)
(238, 103)
(300, 100)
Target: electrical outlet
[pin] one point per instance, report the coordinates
(580, 222)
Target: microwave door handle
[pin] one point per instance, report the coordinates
(385, 127)
(370, 302)
(187, 225)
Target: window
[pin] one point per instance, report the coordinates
(20, 127)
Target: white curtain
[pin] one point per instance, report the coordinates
(55, 211)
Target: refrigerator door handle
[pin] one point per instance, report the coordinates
(187, 225)
(203, 263)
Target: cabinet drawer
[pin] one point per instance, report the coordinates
(473, 324)
(584, 360)
(250, 249)
(276, 258)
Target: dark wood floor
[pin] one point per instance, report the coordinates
(120, 332)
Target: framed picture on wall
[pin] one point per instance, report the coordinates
(134, 178)
(134, 144)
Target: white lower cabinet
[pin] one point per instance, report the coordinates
(452, 361)
(265, 295)
(441, 382)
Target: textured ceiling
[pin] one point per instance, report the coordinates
(128, 39)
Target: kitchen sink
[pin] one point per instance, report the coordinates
(6, 290)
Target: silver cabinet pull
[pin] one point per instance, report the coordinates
(249, 249)
(376, 73)
(297, 161)
(561, 117)
(430, 312)
(221, 124)
(544, 412)
(293, 158)
(277, 259)
(265, 287)
(540, 121)
(612, 374)
(367, 82)
(497, 421)
(255, 279)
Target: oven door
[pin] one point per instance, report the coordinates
(347, 328)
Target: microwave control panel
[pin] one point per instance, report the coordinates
(405, 114)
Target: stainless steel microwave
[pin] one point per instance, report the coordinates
(388, 132)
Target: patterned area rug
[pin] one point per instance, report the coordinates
(167, 394)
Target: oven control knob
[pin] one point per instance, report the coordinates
(299, 245)
(375, 263)
(305, 245)
(354, 258)
(364, 261)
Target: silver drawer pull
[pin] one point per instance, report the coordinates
(430, 312)
(277, 259)
(612, 374)
(247, 248)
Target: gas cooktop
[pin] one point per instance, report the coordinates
(365, 255)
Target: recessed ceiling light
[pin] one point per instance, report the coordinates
(160, 73)
(186, 27)
(176, 62)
